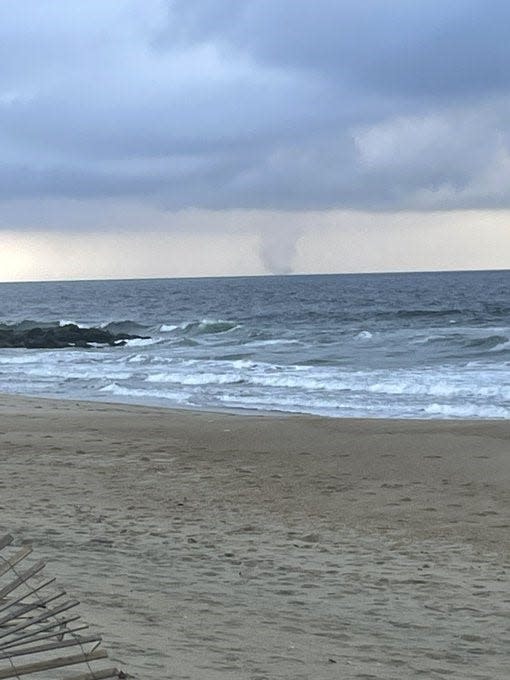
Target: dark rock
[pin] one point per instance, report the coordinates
(58, 337)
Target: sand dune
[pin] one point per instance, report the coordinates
(208, 546)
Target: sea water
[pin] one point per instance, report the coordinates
(427, 345)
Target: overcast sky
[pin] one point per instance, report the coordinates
(210, 137)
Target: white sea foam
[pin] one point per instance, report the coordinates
(141, 342)
(474, 391)
(466, 411)
(269, 343)
(246, 363)
(194, 378)
(28, 358)
(364, 335)
(213, 326)
(79, 372)
(137, 359)
(132, 393)
(342, 348)
(439, 387)
(64, 322)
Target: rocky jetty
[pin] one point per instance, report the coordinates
(57, 337)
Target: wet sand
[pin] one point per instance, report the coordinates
(210, 546)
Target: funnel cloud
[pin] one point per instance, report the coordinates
(278, 249)
(261, 106)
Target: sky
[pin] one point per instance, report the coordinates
(146, 138)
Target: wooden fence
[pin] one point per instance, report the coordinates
(40, 634)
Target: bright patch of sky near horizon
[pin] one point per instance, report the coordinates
(324, 242)
(218, 137)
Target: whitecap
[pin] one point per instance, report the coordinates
(65, 322)
(140, 342)
(466, 411)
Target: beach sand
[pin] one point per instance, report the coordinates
(212, 546)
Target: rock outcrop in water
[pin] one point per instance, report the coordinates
(58, 337)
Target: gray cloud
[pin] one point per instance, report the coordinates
(424, 47)
(257, 104)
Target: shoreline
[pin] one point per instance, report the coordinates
(248, 412)
(226, 545)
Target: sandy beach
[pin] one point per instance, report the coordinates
(212, 546)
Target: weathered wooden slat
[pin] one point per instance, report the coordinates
(34, 589)
(22, 578)
(38, 636)
(32, 625)
(25, 608)
(96, 675)
(38, 619)
(12, 561)
(37, 649)
(5, 541)
(48, 664)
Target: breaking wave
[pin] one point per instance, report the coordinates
(403, 346)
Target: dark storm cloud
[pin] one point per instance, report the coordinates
(423, 47)
(257, 103)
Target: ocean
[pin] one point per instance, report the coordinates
(424, 345)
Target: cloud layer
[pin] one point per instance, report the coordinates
(259, 104)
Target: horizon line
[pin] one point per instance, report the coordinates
(261, 276)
